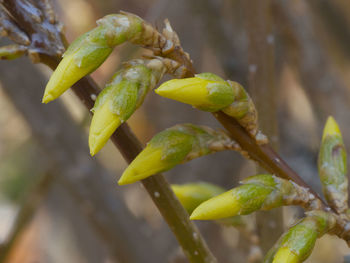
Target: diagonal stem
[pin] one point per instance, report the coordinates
(158, 188)
(175, 215)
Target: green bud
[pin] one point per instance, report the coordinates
(298, 242)
(205, 91)
(12, 51)
(90, 50)
(173, 146)
(332, 167)
(260, 192)
(209, 92)
(121, 97)
(241, 200)
(192, 195)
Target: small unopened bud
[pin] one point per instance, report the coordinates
(332, 167)
(259, 192)
(205, 91)
(238, 201)
(298, 242)
(90, 50)
(121, 97)
(209, 92)
(84, 55)
(174, 146)
(192, 195)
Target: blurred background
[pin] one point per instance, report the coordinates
(58, 204)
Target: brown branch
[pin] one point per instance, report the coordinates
(64, 147)
(264, 155)
(177, 218)
(158, 188)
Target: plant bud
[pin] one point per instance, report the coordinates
(192, 195)
(242, 200)
(298, 242)
(174, 146)
(260, 192)
(103, 125)
(332, 167)
(90, 50)
(209, 92)
(205, 91)
(121, 97)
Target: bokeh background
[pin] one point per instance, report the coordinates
(58, 204)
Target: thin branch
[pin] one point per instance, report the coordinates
(64, 147)
(177, 218)
(262, 154)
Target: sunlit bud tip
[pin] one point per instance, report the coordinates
(147, 163)
(221, 206)
(331, 127)
(285, 255)
(103, 124)
(47, 98)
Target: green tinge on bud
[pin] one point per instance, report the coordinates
(174, 146)
(84, 55)
(242, 200)
(285, 255)
(205, 91)
(90, 50)
(12, 51)
(121, 97)
(298, 242)
(192, 195)
(163, 152)
(147, 163)
(103, 125)
(332, 167)
(209, 92)
(259, 192)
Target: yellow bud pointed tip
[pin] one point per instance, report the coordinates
(122, 181)
(331, 128)
(147, 163)
(103, 124)
(285, 255)
(221, 206)
(47, 98)
(191, 91)
(93, 152)
(196, 216)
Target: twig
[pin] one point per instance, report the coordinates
(177, 218)
(125, 237)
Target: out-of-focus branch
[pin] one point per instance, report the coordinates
(262, 154)
(311, 62)
(262, 87)
(309, 59)
(26, 213)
